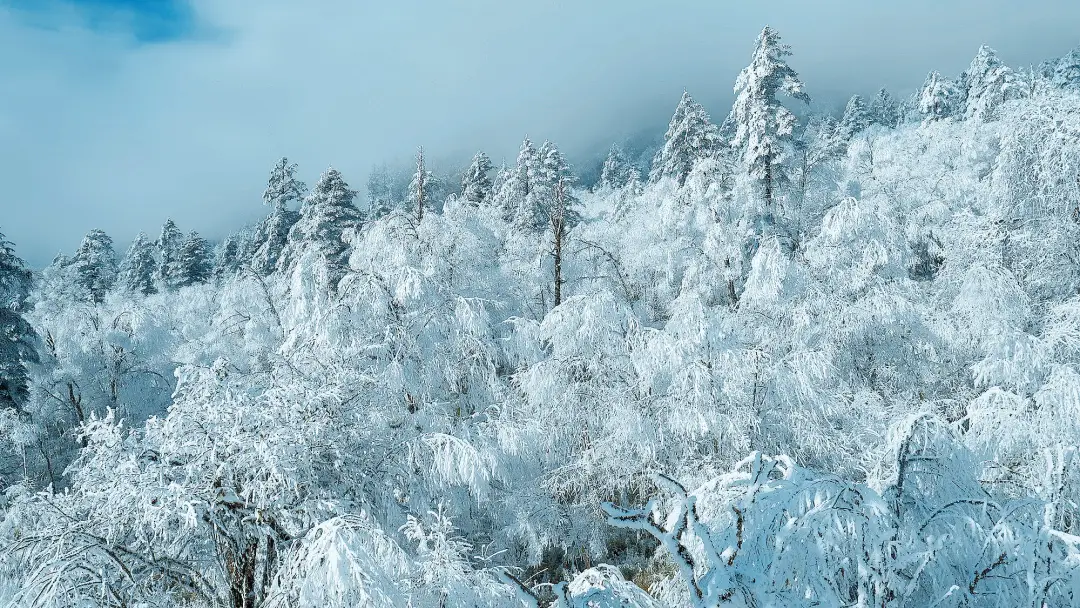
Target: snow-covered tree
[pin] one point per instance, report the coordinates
(326, 218)
(476, 185)
(1064, 72)
(987, 84)
(283, 187)
(282, 190)
(95, 265)
(535, 210)
(884, 109)
(422, 187)
(518, 182)
(168, 257)
(764, 125)
(229, 255)
(938, 98)
(617, 171)
(16, 335)
(195, 266)
(856, 118)
(138, 268)
(690, 137)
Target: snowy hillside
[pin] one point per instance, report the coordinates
(830, 362)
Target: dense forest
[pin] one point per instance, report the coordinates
(797, 360)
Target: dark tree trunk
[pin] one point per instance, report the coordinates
(558, 226)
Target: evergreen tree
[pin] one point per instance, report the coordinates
(856, 118)
(987, 84)
(95, 265)
(421, 187)
(690, 137)
(1063, 72)
(271, 237)
(764, 126)
(516, 183)
(194, 261)
(226, 258)
(325, 217)
(16, 334)
(137, 270)
(526, 167)
(616, 172)
(938, 98)
(169, 244)
(476, 186)
(282, 189)
(535, 211)
(884, 110)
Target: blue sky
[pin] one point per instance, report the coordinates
(116, 114)
(146, 21)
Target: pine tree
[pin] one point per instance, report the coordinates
(169, 244)
(271, 237)
(535, 210)
(938, 98)
(325, 217)
(421, 186)
(884, 110)
(987, 84)
(95, 265)
(476, 186)
(517, 182)
(1063, 72)
(616, 171)
(764, 126)
(856, 118)
(282, 189)
(137, 269)
(227, 259)
(690, 137)
(194, 261)
(16, 334)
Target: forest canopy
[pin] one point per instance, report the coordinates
(797, 360)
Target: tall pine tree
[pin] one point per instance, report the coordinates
(95, 265)
(194, 261)
(617, 171)
(326, 216)
(169, 244)
(856, 118)
(884, 110)
(422, 187)
(475, 183)
(938, 99)
(987, 84)
(514, 184)
(764, 126)
(16, 334)
(137, 269)
(282, 190)
(690, 137)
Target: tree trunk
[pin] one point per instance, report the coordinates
(241, 570)
(558, 223)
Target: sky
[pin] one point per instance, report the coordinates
(118, 114)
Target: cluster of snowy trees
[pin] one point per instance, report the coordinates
(824, 360)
